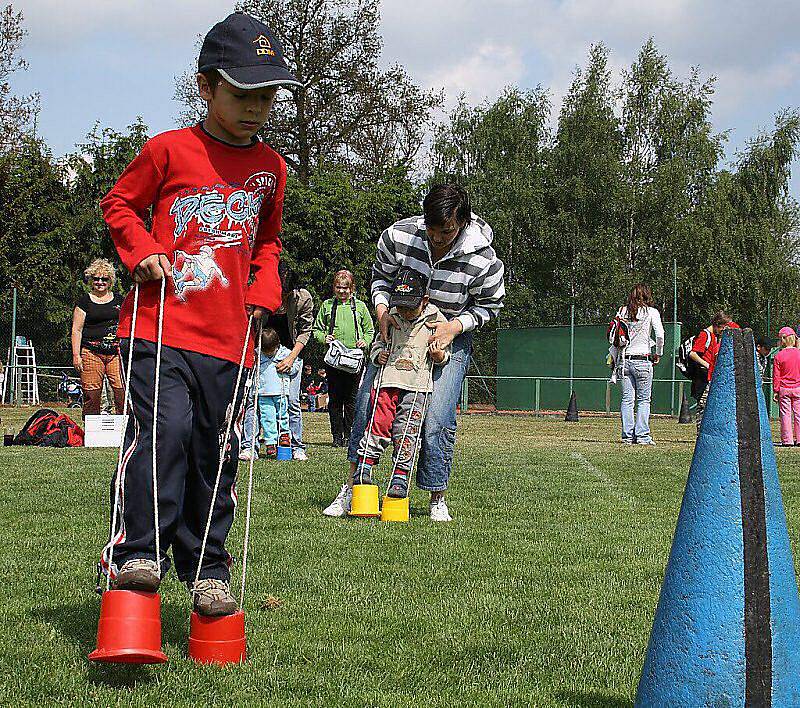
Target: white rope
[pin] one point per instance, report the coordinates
(155, 420)
(118, 478)
(419, 436)
(256, 376)
(363, 460)
(222, 454)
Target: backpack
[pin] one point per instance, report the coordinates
(683, 362)
(46, 428)
(618, 333)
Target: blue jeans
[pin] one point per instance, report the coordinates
(439, 428)
(295, 415)
(637, 385)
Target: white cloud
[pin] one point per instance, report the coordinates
(482, 74)
(54, 24)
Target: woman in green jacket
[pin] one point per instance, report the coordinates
(353, 327)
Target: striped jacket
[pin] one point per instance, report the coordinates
(466, 284)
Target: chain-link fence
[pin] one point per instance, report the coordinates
(35, 350)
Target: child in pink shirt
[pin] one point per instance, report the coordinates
(786, 385)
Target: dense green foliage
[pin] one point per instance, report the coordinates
(632, 178)
(628, 177)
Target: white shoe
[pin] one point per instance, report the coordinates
(246, 455)
(341, 505)
(299, 454)
(439, 510)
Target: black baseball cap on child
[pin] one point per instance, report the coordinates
(246, 53)
(408, 289)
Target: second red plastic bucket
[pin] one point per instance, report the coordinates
(129, 630)
(217, 640)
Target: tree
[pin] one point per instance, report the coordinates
(585, 185)
(16, 112)
(348, 112)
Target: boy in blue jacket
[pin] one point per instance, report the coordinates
(273, 388)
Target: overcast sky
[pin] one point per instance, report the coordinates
(111, 60)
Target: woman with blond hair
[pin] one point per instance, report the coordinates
(346, 319)
(95, 350)
(643, 320)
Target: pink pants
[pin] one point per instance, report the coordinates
(789, 403)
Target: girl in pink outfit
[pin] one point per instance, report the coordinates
(786, 384)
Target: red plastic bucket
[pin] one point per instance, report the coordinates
(129, 630)
(217, 640)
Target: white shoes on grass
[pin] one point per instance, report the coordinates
(341, 506)
(439, 510)
(299, 454)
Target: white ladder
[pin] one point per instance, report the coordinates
(22, 377)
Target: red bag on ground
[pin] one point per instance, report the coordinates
(46, 428)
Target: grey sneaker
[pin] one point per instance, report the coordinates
(138, 574)
(213, 598)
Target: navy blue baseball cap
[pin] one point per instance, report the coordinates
(408, 289)
(246, 53)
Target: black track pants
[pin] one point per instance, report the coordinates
(195, 393)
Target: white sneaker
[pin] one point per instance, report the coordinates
(439, 510)
(341, 505)
(246, 455)
(299, 454)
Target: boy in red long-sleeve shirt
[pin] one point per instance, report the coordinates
(216, 195)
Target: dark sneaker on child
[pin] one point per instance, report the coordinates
(363, 475)
(270, 451)
(138, 574)
(213, 598)
(398, 487)
(284, 440)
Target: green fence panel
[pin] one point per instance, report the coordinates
(545, 352)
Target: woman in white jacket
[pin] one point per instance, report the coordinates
(638, 359)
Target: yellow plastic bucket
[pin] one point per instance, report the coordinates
(394, 509)
(365, 500)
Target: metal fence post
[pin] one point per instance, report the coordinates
(571, 347)
(464, 395)
(538, 390)
(608, 398)
(11, 385)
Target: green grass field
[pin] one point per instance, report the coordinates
(541, 593)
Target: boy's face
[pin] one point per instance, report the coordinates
(270, 352)
(410, 314)
(237, 115)
(762, 350)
